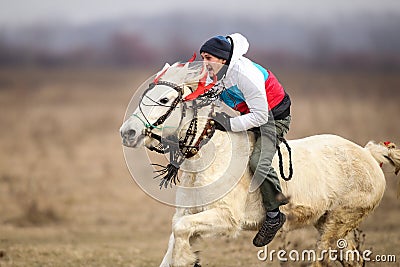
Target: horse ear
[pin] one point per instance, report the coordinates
(166, 66)
(161, 72)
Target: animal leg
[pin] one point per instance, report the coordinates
(166, 262)
(334, 227)
(208, 223)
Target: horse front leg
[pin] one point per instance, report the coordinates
(211, 222)
(166, 262)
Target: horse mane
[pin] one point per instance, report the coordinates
(184, 74)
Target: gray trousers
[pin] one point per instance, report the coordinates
(261, 159)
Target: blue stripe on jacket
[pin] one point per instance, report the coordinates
(264, 71)
(232, 96)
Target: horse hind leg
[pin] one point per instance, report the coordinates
(299, 215)
(333, 227)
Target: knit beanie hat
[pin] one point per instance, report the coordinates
(218, 46)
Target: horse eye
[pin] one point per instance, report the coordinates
(164, 100)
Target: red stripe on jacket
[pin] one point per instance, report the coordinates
(274, 91)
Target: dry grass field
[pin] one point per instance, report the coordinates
(66, 196)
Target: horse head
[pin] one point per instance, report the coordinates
(161, 106)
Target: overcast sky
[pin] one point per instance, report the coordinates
(22, 12)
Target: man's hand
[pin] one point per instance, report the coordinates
(222, 121)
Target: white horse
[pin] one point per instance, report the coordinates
(336, 183)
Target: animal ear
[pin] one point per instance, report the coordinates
(161, 72)
(166, 66)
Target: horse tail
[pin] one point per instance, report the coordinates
(386, 153)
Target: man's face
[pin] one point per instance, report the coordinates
(212, 61)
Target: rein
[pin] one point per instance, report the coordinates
(179, 149)
(289, 177)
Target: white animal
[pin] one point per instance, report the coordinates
(336, 183)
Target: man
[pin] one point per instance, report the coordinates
(265, 108)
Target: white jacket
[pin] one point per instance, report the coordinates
(243, 76)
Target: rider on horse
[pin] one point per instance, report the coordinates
(265, 109)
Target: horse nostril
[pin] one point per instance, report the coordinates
(131, 132)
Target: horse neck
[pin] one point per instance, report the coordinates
(202, 118)
(213, 159)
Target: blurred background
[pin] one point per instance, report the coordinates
(360, 34)
(69, 68)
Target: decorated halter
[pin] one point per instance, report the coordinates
(187, 146)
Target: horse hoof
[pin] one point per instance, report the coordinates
(197, 265)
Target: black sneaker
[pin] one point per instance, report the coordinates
(269, 229)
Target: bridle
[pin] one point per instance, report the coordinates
(174, 104)
(179, 148)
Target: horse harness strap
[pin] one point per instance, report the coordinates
(179, 149)
(203, 139)
(185, 145)
(177, 88)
